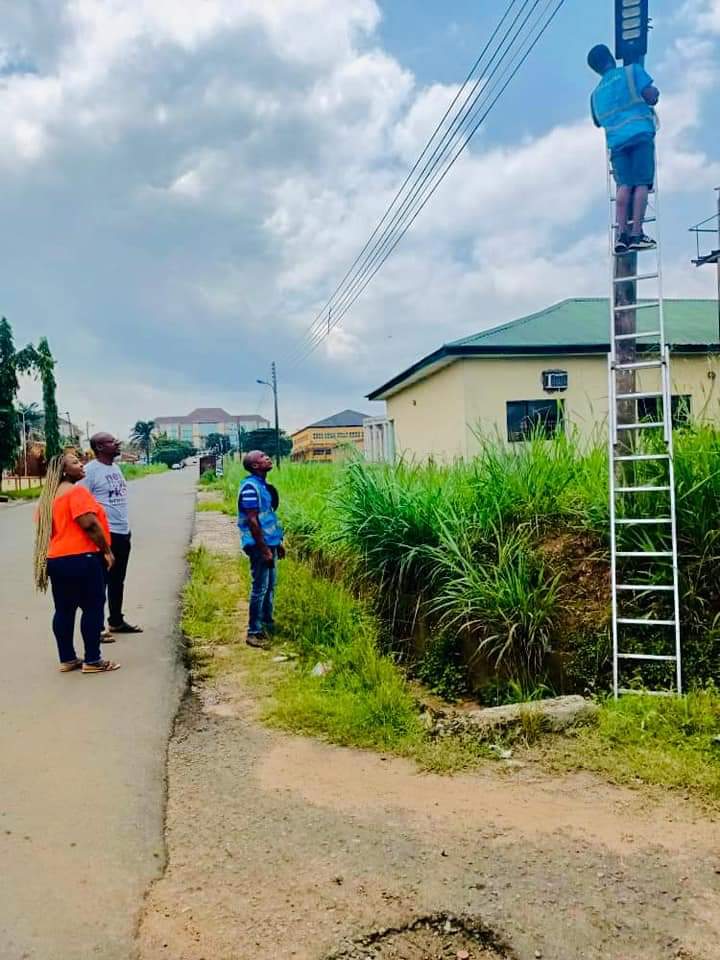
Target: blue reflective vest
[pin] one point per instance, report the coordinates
(269, 524)
(619, 108)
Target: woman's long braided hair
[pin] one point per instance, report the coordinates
(43, 529)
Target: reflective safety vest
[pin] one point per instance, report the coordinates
(620, 109)
(269, 524)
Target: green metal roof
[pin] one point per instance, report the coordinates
(576, 326)
(586, 321)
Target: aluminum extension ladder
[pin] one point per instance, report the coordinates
(644, 547)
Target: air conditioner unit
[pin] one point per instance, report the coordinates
(554, 381)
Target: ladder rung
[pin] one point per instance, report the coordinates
(638, 276)
(646, 394)
(647, 425)
(631, 457)
(635, 336)
(639, 364)
(644, 553)
(643, 586)
(638, 306)
(637, 521)
(645, 488)
(645, 656)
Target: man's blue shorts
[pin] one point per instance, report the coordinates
(633, 164)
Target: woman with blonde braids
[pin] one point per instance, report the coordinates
(72, 549)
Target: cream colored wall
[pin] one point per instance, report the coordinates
(700, 377)
(429, 417)
(490, 382)
(440, 416)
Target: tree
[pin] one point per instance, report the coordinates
(170, 451)
(32, 416)
(141, 434)
(8, 390)
(218, 443)
(45, 364)
(264, 439)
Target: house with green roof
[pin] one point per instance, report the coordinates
(546, 370)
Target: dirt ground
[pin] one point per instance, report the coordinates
(285, 847)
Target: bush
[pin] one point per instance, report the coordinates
(473, 547)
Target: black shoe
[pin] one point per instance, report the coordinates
(642, 242)
(622, 243)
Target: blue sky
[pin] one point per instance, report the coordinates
(185, 186)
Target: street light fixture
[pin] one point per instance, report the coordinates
(631, 30)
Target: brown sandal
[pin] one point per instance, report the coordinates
(102, 666)
(69, 665)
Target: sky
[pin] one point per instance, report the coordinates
(183, 185)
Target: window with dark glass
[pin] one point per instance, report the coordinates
(528, 418)
(650, 408)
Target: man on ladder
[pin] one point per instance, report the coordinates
(643, 530)
(622, 104)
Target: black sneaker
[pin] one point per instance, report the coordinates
(642, 242)
(622, 244)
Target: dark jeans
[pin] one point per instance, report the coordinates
(120, 546)
(78, 582)
(262, 594)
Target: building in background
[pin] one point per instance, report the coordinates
(197, 426)
(548, 372)
(329, 439)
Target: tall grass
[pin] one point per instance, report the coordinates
(497, 549)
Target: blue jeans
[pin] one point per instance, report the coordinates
(78, 582)
(262, 594)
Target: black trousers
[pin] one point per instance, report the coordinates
(120, 546)
(78, 582)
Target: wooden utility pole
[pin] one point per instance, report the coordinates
(626, 350)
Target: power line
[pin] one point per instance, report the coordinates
(328, 304)
(392, 238)
(510, 62)
(451, 134)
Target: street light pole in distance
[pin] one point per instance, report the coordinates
(272, 383)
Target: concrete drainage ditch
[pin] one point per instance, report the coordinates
(436, 937)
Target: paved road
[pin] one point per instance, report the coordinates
(82, 758)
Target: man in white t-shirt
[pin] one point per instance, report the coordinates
(105, 481)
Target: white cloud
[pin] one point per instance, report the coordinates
(189, 182)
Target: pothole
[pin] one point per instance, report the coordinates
(437, 937)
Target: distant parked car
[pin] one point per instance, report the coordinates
(177, 466)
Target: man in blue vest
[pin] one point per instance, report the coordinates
(622, 104)
(262, 541)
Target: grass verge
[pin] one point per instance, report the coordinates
(663, 741)
(365, 701)
(210, 506)
(29, 493)
(133, 471)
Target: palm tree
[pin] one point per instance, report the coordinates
(141, 434)
(33, 418)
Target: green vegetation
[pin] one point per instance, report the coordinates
(133, 471)
(27, 493)
(505, 557)
(142, 435)
(363, 700)
(46, 365)
(666, 741)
